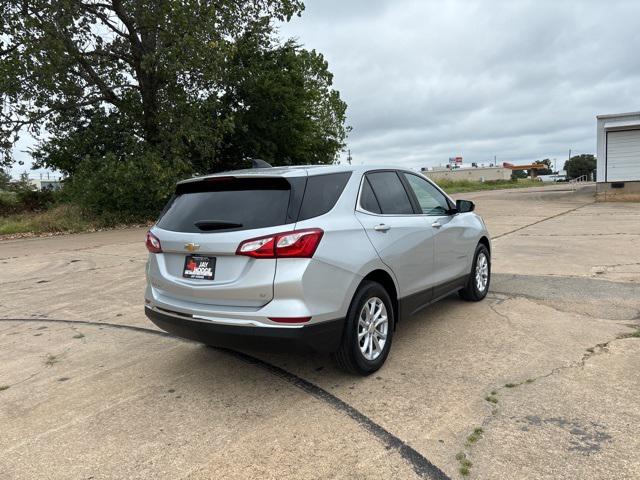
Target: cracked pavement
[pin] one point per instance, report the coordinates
(551, 345)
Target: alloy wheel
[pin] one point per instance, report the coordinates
(373, 326)
(482, 272)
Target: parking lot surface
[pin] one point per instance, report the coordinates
(540, 380)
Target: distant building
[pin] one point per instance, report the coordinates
(474, 174)
(46, 183)
(618, 172)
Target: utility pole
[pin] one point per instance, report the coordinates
(349, 158)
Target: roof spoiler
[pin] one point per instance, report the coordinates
(257, 163)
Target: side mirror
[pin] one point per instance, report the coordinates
(464, 206)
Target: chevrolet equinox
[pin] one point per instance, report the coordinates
(321, 258)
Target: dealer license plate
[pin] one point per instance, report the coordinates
(199, 267)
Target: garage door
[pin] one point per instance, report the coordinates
(623, 156)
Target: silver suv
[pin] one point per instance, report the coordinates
(326, 258)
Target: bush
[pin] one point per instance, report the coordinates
(122, 190)
(26, 201)
(9, 203)
(36, 200)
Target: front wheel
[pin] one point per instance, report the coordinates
(368, 330)
(478, 282)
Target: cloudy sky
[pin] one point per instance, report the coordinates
(519, 80)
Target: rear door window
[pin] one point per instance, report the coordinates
(228, 204)
(390, 193)
(322, 193)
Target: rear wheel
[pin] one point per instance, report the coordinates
(368, 330)
(478, 282)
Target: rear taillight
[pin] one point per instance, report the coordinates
(153, 243)
(295, 244)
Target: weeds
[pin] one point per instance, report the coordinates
(635, 334)
(475, 436)
(51, 360)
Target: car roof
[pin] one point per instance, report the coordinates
(298, 171)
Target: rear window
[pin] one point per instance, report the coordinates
(322, 193)
(228, 204)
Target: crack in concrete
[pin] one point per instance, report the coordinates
(540, 221)
(586, 442)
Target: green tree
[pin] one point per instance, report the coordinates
(134, 94)
(579, 165)
(548, 170)
(285, 111)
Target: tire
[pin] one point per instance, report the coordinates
(475, 289)
(350, 356)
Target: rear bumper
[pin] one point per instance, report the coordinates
(323, 337)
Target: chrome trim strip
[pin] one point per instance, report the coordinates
(218, 321)
(360, 209)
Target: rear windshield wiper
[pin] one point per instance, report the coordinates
(209, 225)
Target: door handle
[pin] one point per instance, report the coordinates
(381, 228)
(436, 225)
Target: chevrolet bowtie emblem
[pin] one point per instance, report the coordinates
(191, 247)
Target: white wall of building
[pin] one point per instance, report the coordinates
(474, 174)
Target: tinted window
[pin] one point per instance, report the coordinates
(322, 193)
(390, 193)
(227, 203)
(368, 200)
(430, 199)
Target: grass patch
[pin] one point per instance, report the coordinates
(460, 186)
(491, 399)
(51, 360)
(510, 385)
(61, 218)
(465, 463)
(475, 436)
(530, 380)
(78, 335)
(635, 334)
(3, 387)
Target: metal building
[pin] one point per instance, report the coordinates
(618, 171)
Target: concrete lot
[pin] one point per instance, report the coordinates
(545, 366)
